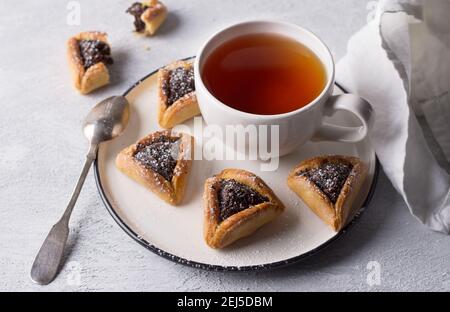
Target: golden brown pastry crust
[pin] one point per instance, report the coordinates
(153, 16)
(170, 191)
(94, 77)
(220, 234)
(337, 215)
(181, 110)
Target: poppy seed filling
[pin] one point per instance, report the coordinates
(93, 52)
(179, 83)
(234, 197)
(159, 155)
(137, 9)
(329, 178)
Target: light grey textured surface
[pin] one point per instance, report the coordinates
(42, 152)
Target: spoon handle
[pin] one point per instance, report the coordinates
(48, 259)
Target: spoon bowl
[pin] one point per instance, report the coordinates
(107, 119)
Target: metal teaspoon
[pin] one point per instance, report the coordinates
(104, 122)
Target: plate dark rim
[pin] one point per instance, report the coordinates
(213, 267)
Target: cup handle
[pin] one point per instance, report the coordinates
(353, 104)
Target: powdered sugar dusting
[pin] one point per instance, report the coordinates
(179, 83)
(160, 155)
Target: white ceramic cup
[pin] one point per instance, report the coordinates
(295, 127)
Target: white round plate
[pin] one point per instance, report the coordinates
(176, 233)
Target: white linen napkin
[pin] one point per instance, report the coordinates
(400, 63)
